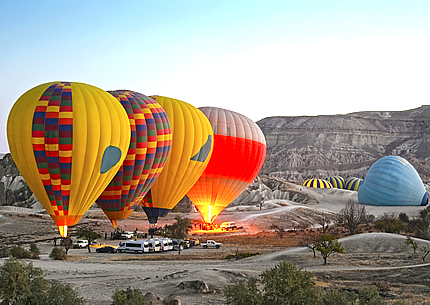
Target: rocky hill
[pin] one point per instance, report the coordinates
(305, 147)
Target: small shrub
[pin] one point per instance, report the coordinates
(34, 251)
(19, 252)
(334, 297)
(128, 297)
(369, 296)
(382, 286)
(4, 252)
(241, 255)
(62, 294)
(243, 293)
(58, 254)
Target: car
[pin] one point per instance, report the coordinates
(230, 225)
(106, 249)
(211, 244)
(194, 241)
(81, 243)
(127, 235)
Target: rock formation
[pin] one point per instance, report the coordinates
(305, 147)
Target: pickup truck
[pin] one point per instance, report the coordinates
(211, 243)
(82, 243)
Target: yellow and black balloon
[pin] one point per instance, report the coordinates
(192, 142)
(68, 140)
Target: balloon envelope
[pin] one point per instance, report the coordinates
(317, 183)
(337, 182)
(68, 141)
(353, 183)
(150, 142)
(192, 141)
(238, 155)
(392, 181)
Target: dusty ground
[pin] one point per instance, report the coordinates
(374, 258)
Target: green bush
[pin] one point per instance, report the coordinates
(34, 251)
(241, 255)
(4, 252)
(334, 297)
(62, 294)
(283, 284)
(369, 296)
(58, 254)
(128, 297)
(19, 252)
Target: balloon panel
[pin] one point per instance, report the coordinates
(392, 181)
(317, 183)
(58, 133)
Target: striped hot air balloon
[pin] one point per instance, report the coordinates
(353, 183)
(68, 140)
(192, 142)
(151, 137)
(336, 181)
(318, 183)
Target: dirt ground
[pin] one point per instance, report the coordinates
(378, 259)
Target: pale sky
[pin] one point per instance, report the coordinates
(259, 58)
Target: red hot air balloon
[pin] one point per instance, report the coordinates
(151, 137)
(238, 155)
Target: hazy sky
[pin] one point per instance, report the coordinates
(259, 58)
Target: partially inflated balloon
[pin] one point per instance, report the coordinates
(392, 181)
(353, 183)
(68, 141)
(238, 155)
(150, 142)
(189, 155)
(337, 182)
(318, 183)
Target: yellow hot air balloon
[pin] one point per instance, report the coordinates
(191, 149)
(68, 140)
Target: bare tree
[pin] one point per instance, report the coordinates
(351, 216)
(278, 229)
(324, 221)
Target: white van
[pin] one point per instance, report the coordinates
(154, 245)
(134, 247)
(166, 244)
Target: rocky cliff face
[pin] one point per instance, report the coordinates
(299, 148)
(13, 189)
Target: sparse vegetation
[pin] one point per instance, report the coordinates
(241, 255)
(351, 216)
(425, 250)
(390, 223)
(412, 243)
(89, 234)
(22, 283)
(19, 252)
(34, 251)
(128, 297)
(179, 229)
(58, 253)
(327, 245)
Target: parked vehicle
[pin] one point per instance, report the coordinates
(166, 244)
(81, 243)
(106, 249)
(132, 246)
(230, 225)
(211, 244)
(194, 241)
(154, 245)
(185, 243)
(127, 235)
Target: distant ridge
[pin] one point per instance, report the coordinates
(346, 145)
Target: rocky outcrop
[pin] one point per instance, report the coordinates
(14, 191)
(299, 148)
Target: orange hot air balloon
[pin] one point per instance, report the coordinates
(238, 155)
(68, 141)
(151, 136)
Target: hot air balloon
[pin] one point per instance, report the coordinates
(392, 181)
(318, 183)
(238, 155)
(337, 182)
(150, 141)
(353, 183)
(189, 155)
(68, 141)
